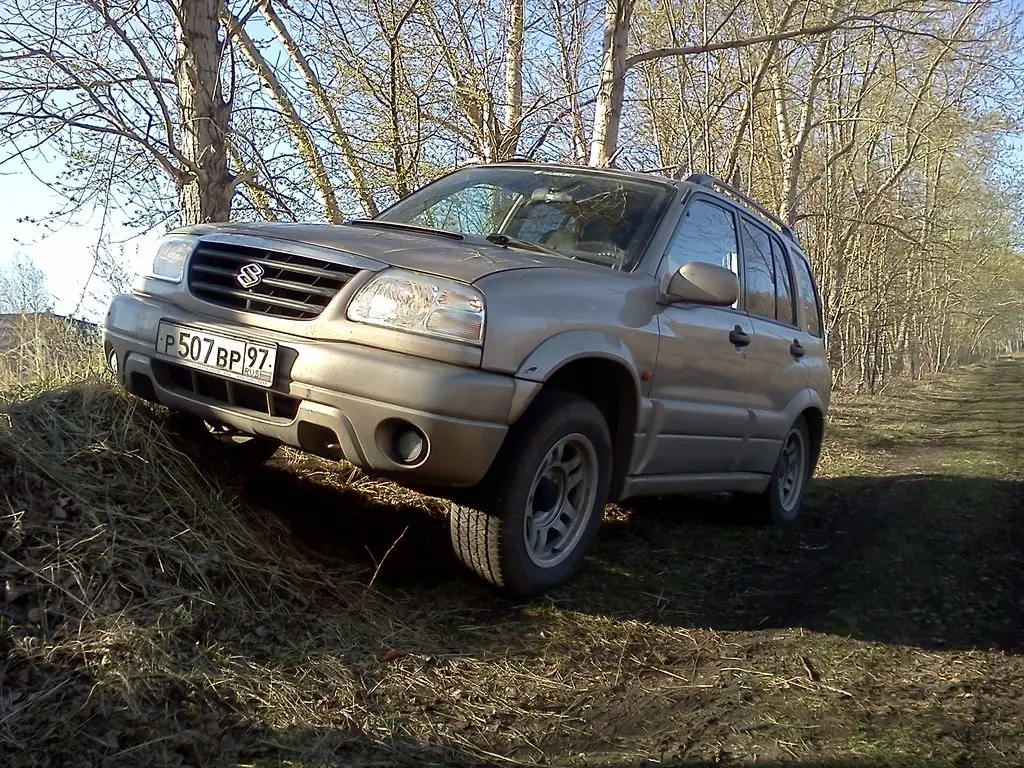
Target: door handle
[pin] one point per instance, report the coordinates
(738, 337)
(796, 349)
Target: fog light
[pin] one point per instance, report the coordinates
(112, 360)
(410, 445)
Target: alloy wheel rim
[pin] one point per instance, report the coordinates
(561, 501)
(792, 472)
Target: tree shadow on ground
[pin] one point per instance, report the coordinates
(926, 560)
(931, 561)
(311, 747)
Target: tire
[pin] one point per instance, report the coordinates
(242, 450)
(525, 534)
(780, 502)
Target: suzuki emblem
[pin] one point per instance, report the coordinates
(250, 275)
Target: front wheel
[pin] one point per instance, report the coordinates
(780, 503)
(539, 508)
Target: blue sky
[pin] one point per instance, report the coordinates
(65, 254)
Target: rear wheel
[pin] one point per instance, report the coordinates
(780, 503)
(538, 510)
(237, 447)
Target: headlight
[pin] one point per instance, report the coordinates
(410, 301)
(169, 260)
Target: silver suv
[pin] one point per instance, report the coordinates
(530, 341)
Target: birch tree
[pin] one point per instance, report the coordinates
(875, 129)
(204, 182)
(616, 62)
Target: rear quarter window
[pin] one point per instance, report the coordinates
(807, 295)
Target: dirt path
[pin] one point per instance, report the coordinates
(903, 588)
(155, 613)
(888, 625)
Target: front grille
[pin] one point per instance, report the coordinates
(232, 393)
(297, 287)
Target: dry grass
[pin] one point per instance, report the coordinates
(160, 608)
(131, 579)
(42, 352)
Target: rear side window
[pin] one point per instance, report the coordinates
(807, 296)
(758, 271)
(705, 233)
(769, 290)
(785, 310)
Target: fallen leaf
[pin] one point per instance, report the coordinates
(392, 655)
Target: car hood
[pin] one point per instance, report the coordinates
(467, 260)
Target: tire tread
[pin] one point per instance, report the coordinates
(476, 537)
(765, 506)
(476, 530)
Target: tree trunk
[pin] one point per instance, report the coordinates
(611, 83)
(513, 79)
(206, 184)
(567, 29)
(793, 144)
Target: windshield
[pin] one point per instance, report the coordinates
(594, 217)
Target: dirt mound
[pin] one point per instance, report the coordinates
(131, 582)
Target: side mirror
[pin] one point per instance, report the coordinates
(703, 283)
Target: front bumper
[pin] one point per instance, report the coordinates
(331, 398)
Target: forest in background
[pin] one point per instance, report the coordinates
(882, 131)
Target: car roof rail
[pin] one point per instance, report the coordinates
(706, 180)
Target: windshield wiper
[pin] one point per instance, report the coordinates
(408, 227)
(506, 240)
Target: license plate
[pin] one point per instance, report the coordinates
(246, 361)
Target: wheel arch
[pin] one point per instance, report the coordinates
(600, 368)
(814, 418)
